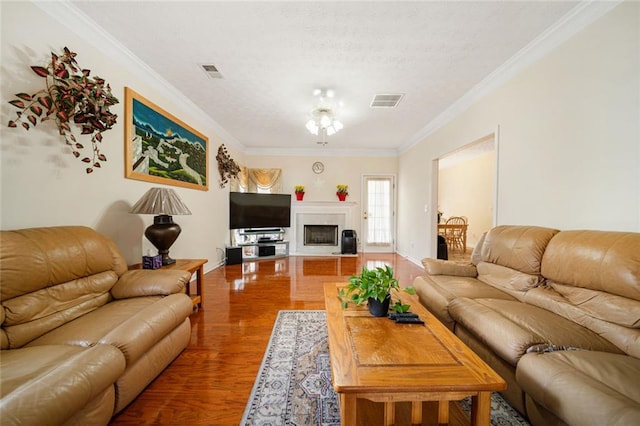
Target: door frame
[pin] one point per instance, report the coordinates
(435, 173)
(394, 208)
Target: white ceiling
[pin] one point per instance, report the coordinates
(272, 55)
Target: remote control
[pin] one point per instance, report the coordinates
(397, 315)
(406, 315)
(409, 321)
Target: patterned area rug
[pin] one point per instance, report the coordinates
(293, 386)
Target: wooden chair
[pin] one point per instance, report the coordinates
(456, 236)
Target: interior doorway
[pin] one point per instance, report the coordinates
(466, 187)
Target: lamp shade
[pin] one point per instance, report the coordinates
(160, 201)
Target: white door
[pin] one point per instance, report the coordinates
(378, 214)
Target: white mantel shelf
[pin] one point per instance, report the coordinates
(297, 204)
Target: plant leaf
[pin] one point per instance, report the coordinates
(12, 124)
(41, 71)
(76, 154)
(25, 125)
(25, 96)
(102, 157)
(86, 159)
(46, 102)
(89, 170)
(36, 110)
(17, 103)
(32, 119)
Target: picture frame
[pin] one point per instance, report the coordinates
(161, 148)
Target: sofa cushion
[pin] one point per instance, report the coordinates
(37, 258)
(148, 282)
(557, 299)
(511, 327)
(507, 279)
(596, 260)
(437, 291)
(132, 325)
(517, 247)
(49, 384)
(447, 267)
(584, 387)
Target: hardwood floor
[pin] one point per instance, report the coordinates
(210, 382)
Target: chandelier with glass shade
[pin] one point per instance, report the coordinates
(323, 120)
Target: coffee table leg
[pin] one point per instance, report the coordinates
(389, 413)
(416, 412)
(481, 409)
(443, 412)
(348, 409)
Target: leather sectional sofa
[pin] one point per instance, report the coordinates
(81, 335)
(555, 313)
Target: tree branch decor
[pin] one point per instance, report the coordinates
(70, 96)
(227, 167)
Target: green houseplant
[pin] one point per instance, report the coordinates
(374, 286)
(70, 96)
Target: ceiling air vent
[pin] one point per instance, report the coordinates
(211, 71)
(387, 100)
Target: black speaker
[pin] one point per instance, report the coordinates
(349, 242)
(443, 252)
(234, 255)
(266, 251)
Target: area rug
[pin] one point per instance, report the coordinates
(293, 385)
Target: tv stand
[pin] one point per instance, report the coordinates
(260, 243)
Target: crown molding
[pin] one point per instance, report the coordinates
(88, 30)
(570, 24)
(321, 152)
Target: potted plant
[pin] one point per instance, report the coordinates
(343, 191)
(299, 189)
(374, 286)
(71, 96)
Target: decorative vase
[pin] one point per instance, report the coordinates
(378, 308)
(299, 196)
(341, 196)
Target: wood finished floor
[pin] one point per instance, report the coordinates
(210, 382)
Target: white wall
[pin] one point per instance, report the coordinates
(569, 150)
(337, 170)
(44, 185)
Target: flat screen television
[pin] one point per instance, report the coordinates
(251, 210)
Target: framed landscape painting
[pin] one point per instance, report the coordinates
(160, 148)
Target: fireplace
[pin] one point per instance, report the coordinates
(320, 235)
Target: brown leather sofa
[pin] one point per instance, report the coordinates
(555, 313)
(81, 336)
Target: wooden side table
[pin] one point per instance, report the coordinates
(191, 265)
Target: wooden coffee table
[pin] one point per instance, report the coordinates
(381, 361)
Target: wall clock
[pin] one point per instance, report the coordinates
(317, 167)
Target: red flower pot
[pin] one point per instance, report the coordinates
(341, 196)
(299, 196)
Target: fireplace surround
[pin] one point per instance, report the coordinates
(325, 215)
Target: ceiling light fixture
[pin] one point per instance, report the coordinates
(323, 121)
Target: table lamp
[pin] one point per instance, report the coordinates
(163, 202)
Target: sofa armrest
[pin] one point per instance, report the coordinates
(148, 282)
(448, 267)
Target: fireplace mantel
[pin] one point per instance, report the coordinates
(338, 213)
